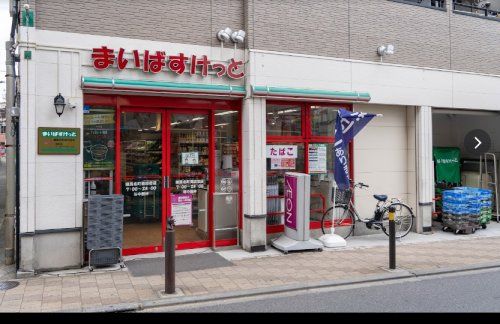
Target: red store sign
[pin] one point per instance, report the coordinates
(158, 61)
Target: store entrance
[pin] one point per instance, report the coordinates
(164, 163)
(142, 167)
(189, 176)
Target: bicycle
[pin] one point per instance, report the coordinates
(344, 215)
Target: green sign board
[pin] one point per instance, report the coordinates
(99, 139)
(447, 164)
(55, 141)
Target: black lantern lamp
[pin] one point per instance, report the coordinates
(59, 104)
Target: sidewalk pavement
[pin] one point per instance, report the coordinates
(104, 289)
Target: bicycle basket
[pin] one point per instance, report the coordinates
(342, 197)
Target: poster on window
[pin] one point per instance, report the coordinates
(182, 209)
(317, 158)
(189, 158)
(283, 164)
(99, 139)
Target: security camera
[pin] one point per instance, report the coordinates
(71, 105)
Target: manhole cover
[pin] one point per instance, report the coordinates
(6, 285)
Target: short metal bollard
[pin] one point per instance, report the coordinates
(392, 238)
(170, 257)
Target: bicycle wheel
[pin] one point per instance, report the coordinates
(403, 218)
(341, 218)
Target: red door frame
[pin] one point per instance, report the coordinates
(165, 171)
(167, 106)
(207, 113)
(307, 138)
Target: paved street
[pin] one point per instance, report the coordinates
(68, 290)
(477, 292)
(76, 290)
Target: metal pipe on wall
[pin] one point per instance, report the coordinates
(10, 196)
(10, 144)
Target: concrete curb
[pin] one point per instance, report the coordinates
(464, 268)
(176, 301)
(117, 308)
(271, 290)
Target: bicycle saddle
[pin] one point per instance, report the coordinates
(380, 197)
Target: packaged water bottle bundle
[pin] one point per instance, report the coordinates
(465, 209)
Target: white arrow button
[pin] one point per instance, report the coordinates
(478, 143)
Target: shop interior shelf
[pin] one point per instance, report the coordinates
(188, 175)
(192, 143)
(198, 154)
(188, 129)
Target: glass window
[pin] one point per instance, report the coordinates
(288, 154)
(226, 151)
(189, 171)
(276, 168)
(227, 168)
(99, 150)
(141, 182)
(321, 171)
(323, 120)
(283, 120)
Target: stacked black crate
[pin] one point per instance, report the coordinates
(105, 229)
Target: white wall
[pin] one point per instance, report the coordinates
(384, 154)
(388, 84)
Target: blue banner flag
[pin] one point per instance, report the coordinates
(347, 125)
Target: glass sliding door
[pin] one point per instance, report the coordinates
(189, 173)
(142, 171)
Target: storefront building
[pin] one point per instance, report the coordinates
(186, 127)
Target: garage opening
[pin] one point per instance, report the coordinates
(466, 153)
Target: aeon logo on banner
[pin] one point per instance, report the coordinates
(159, 61)
(291, 202)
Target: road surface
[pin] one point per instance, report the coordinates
(477, 291)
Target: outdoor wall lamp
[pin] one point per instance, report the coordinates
(60, 104)
(385, 50)
(224, 35)
(238, 37)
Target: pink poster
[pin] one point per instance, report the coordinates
(291, 202)
(182, 209)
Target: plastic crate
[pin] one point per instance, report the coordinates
(104, 257)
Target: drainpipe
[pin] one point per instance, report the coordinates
(10, 145)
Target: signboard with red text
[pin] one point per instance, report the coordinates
(160, 61)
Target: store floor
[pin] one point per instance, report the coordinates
(149, 234)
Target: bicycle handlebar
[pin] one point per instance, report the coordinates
(361, 185)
